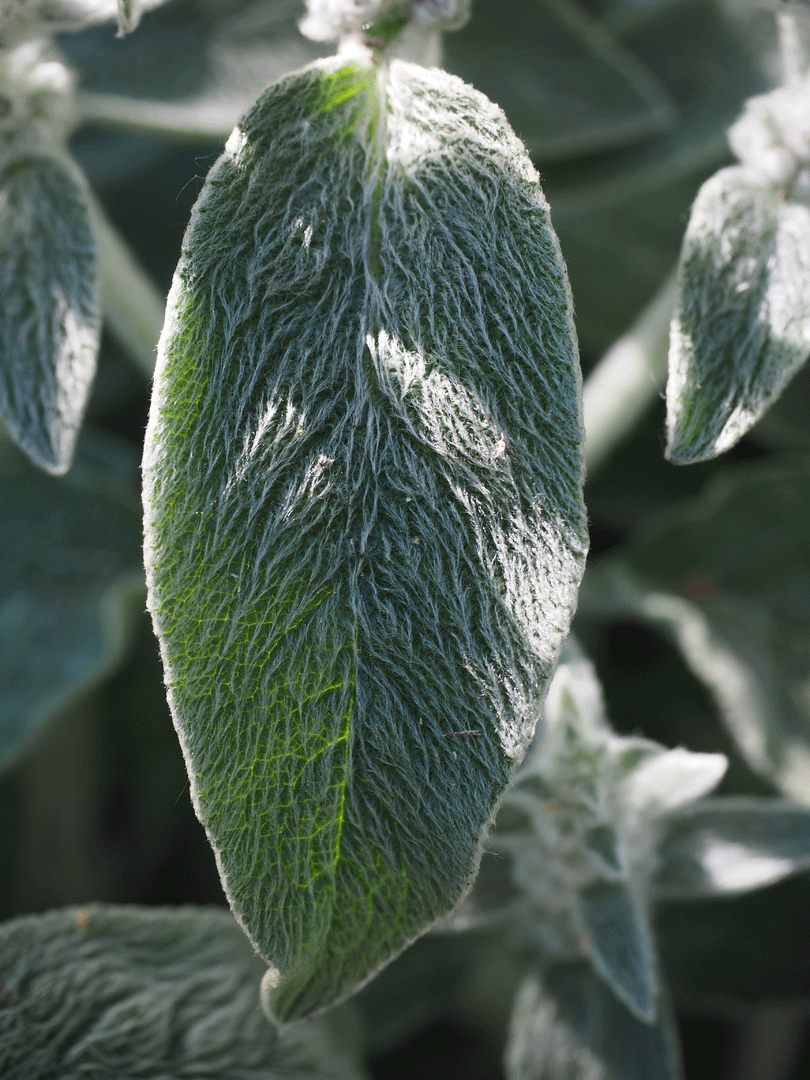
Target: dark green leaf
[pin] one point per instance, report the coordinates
(49, 322)
(726, 577)
(571, 1027)
(741, 327)
(363, 505)
(730, 845)
(566, 85)
(148, 994)
(70, 567)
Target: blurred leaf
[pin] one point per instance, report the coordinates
(148, 993)
(727, 578)
(565, 84)
(49, 323)
(620, 945)
(741, 327)
(377, 615)
(33, 18)
(722, 953)
(670, 779)
(570, 1027)
(71, 565)
(730, 845)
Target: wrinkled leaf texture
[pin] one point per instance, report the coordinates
(155, 994)
(49, 320)
(741, 327)
(364, 528)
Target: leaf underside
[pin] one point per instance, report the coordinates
(364, 528)
(741, 328)
(49, 321)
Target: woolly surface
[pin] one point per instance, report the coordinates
(364, 526)
(327, 20)
(98, 993)
(50, 320)
(741, 328)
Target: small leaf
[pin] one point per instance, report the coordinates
(147, 994)
(70, 569)
(730, 846)
(741, 327)
(566, 85)
(726, 578)
(49, 322)
(364, 529)
(571, 1027)
(672, 778)
(620, 945)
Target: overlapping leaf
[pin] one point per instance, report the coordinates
(49, 321)
(129, 992)
(363, 509)
(726, 577)
(71, 562)
(741, 327)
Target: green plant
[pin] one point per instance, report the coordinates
(365, 538)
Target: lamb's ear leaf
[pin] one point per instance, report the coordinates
(364, 526)
(70, 579)
(618, 935)
(148, 993)
(595, 94)
(49, 321)
(741, 327)
(725, 577)
(571, 1027)
(732, 845)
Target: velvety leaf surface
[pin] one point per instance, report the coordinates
(363, 507)
(69, 572)
(741, 327)
(49, 322)
(128, 992)
(730, 845)
(726, 577)
(566, 85)
(570, 1027)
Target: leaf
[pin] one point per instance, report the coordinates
(566, 85)
(730, 845)
(364, 528)
(128, 992)
(672, 778)
(70, 569)
(32, 18)
(620, 945)
(741, 327)
(571, 1027)
(50, 323)
(726, 578)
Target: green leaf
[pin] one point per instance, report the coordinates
(128, 992)
(566, 85)
(570, 1027)
(49, 323)
(741, 327)
(69, 573)
(730, 845)
(364, 528)
(726, 578)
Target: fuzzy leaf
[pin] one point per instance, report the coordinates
(671, 778)
(128, 992)
(726, 578)
(49, 322)
(741, 327)
(730, 846)
(620, 945)
(572, 1028)
(566, 85)
(70, 567)
(364, 528)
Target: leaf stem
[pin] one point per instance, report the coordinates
(133, 307)
(792, 46)
(193, 120)
(628, 378)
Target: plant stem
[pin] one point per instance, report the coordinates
(628, 378)
(188, 121)
(132, 306)
(792, 50)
